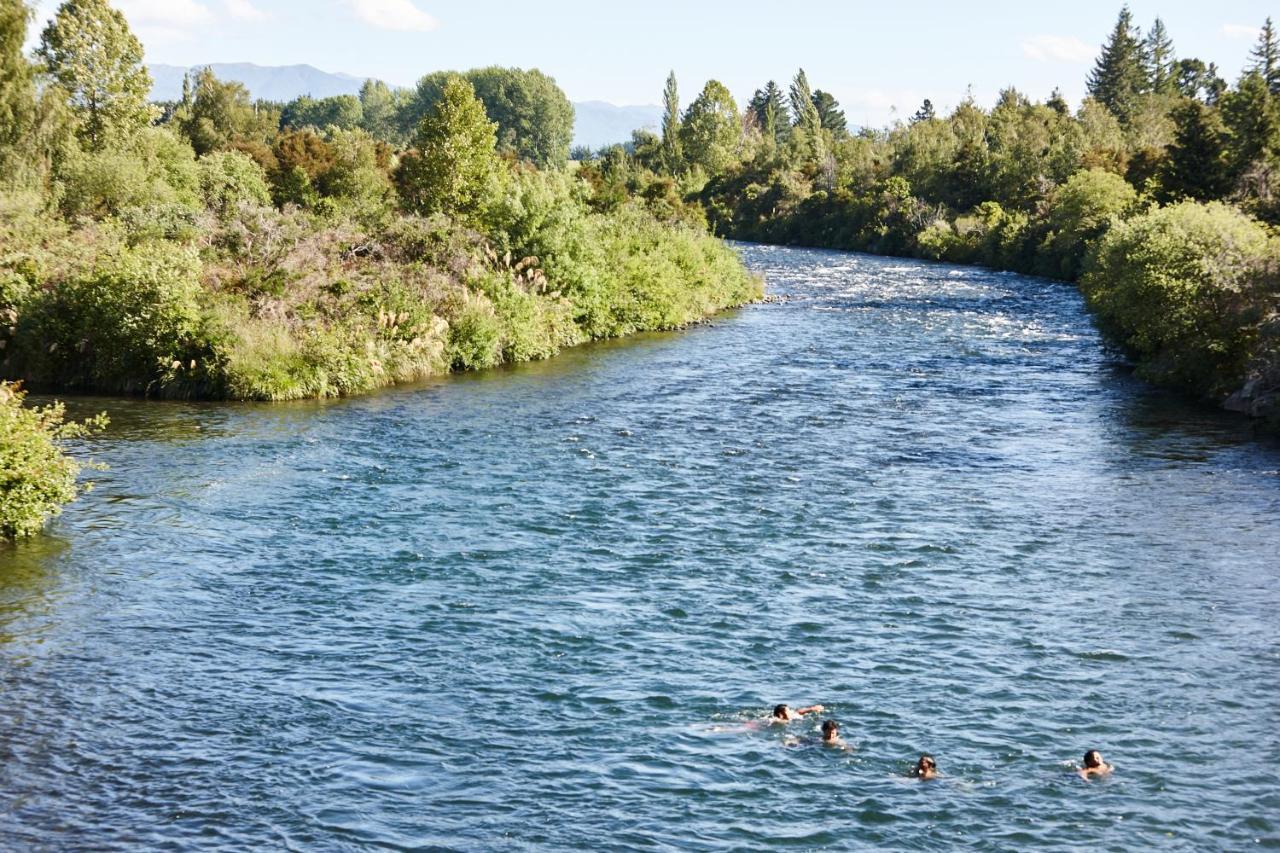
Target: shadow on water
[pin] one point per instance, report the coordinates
(29, 580)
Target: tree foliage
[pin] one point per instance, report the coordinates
(1120, 76)
(454, 167)
(90, 52)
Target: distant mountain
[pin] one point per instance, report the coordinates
(267, 83)
(598, 123)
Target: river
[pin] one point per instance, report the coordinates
(547, 607)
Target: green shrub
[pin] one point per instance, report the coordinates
(157, 168)
(229, 179)
(1081, 211)
(132, 324)
(36, 477)
(1172, 288)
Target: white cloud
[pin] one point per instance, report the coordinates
(244, 10)
(1058, 49)
(394, 15)
(169, 14)
(1236, 31)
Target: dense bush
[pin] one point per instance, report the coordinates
(1175, 287)
(36, 477)
(229, 179)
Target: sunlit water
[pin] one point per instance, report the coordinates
(541, 608)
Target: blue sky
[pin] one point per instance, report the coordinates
(873, 56)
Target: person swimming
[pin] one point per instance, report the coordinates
(1094, 765)
(831, 735)
(926, 768)
(787, 714)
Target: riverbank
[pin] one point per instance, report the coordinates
(1190, 292)
(265, 304)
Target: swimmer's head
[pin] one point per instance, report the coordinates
(926, 766)
(780, 712)
(1093, 759)
(830, 730)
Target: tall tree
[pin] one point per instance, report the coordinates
(925, 113)
(711, 129)
(455, 167)
(830, 116)
(1119, 77)
(807, 119)
(378, 111)
(89, 50)
(672, 153)
(17, 90)
(534, 116)
(769, 107)
(1197, 163)
(1252, 117)
(216, 113)
(1199, 81)
(1265, 57)
(1057, 103)
(1162, 64)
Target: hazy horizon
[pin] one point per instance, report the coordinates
(880, 63)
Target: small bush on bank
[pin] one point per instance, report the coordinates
(1175, 288)
(36, 477)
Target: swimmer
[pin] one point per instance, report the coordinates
(926, 769)
(786, 714)
(1094, 765)
(831, 735)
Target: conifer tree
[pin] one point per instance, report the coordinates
(672, 155)
(770, 110)
(804, 112)
(807, 119)
(1252, 117)
(1119, 76)
(1162, 64)
(89, 50)
(1058, 103)
(1197, 160)
(925, 113)
(1265, 57)
(830, 116)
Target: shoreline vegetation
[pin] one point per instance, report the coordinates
(218, 247)
(1159, 196)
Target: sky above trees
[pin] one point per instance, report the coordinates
(873, 56)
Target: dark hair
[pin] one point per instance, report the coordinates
(926, 763)
(1093, 758)
(830, 727)
(779, 710)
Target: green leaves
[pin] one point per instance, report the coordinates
(89, 50)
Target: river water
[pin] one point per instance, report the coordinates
(548, 607)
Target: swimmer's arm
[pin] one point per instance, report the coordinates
(812, 709)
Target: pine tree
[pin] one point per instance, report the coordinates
(1057, 103)
(925, 113)
(1162, 64)
(1265, 58)
(1252, 118)
(830, 116)
(807, 119)
(455, 167)
(17, 90)
(672, 155)
(1197, 163)
(1119, 77)
(770, 110)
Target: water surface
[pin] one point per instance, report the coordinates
(543, 608)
